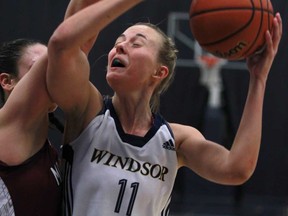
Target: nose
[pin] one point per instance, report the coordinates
(120, 48)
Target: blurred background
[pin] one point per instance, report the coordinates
(209, 97)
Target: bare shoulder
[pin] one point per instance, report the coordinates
(183, 133)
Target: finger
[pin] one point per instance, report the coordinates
(277, 31)
(269, 40)
(279, 20)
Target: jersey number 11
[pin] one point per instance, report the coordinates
(134, 186)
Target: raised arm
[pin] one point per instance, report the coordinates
(213, 161)
(25, 112)
(68, 69)
(34, 85)
(75, 6)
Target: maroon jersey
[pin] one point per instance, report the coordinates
(32, 188)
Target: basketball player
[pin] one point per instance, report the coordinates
(30, 181)
(121, 156)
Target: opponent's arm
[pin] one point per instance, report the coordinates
(25, 112)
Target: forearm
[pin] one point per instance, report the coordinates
(77, 5)
(245, 149)
(87, 23)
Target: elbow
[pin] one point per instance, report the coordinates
(59, 40)
(242, 174)
(242, 177)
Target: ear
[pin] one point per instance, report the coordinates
(161, 73)
(7, 82)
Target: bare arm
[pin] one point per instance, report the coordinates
(68, 70)
(24, 119)
(75, 6)
(213, 161)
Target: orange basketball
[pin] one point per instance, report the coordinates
(231, 29)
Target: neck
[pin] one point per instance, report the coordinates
(135, 118)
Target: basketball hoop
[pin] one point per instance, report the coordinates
(208, 60)
(210, 67)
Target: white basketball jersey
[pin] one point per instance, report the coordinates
(110, 173)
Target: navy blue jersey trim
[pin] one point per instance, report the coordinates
(133, 139)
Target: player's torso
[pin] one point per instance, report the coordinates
(114, 176)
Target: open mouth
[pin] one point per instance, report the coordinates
(117, 63)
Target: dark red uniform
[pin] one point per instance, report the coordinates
(32, 188)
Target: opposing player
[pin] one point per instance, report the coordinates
(30, 180)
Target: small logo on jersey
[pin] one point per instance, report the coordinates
(169, 145)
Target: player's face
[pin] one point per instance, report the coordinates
(134, 58)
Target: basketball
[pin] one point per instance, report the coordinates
(231, 29)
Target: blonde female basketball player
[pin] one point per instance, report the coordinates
(122, 156)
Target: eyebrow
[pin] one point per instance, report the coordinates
(137, 35)
(141, 35)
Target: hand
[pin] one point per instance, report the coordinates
(260, 64)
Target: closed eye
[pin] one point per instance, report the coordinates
(136, 45)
